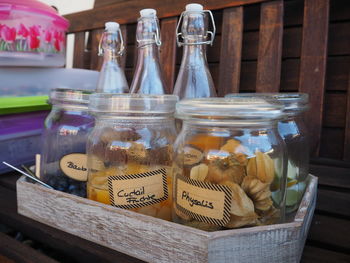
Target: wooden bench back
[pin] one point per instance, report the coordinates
(261, 46)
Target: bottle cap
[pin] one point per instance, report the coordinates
(194, 7)
(148, 12)
(112, 27)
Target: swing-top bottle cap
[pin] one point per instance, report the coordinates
(148, 12)
(194, 7)
(111, 27)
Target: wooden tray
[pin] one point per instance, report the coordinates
(156, 240)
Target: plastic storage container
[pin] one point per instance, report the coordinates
(130, 152)
(31, 34)
(20, 138)
(63, 158)
(229, 164)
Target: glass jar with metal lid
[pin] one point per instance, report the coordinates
(229, 164)
(130, 152)
(293, 130)
(63, 156)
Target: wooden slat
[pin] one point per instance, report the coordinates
(79, 249)
(79, 50)
(332, 143)
(313, 64)
(347, 125)
(340, 176)
(323, 255)
(126, 12)
(96, 61)
(19, 252)
(334, 110)
(168, 51)
(332, 201)
(270, 47)
(330, 231)
(231, 51)
(122, 60)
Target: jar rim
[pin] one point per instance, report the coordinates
(235, 108)
(70, 96)
(115, 103)
(292, 101)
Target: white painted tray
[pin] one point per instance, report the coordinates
(156, 240)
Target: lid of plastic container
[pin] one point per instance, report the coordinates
(70, 96)
(132, 103)
(33, 6)
(292, 102)
(229, 109)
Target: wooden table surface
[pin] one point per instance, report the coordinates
(328, 240)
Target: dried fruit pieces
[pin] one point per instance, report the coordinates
(249, 177)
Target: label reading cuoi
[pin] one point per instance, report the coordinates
(74, 166)
(205, 202)
(138, 190)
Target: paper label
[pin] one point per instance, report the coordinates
(205, 202)
(138, 190)
(192, 155)
(74, 166)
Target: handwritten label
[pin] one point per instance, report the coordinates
(74, 166)
(138, 190)
(192, 155)
(202, 201)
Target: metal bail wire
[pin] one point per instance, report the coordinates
(118, 53)
(156, 38)
(211, 33)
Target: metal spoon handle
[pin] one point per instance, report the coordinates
(31, 177)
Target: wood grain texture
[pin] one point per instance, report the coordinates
(313, 64)
(346, 155)
(95, 61)
(335, 202)
(19, 252)
(124, 12)
(270, 47)
(79, 249)
(340, 175)
(155, 240)
(231, 51)
(168, 51)
(79, 50)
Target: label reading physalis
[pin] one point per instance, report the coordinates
(74, 166)
(138, 190)
(205, 202)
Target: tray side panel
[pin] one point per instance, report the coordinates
(143, 237)
(275, 243)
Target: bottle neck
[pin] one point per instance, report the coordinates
(147, 77)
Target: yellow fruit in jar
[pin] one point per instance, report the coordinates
(205, 142)
(98, 195)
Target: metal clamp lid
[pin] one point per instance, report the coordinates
(210, 33)
(111, 27)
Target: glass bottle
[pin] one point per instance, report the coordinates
(294, 133)
(148, 78)
(229, 164)
(112, 78)
(63, 156)
(130, 152)
(194, 79)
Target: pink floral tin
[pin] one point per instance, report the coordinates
(31, 34)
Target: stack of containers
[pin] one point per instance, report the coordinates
(32, 54)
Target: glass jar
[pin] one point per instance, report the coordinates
(63, 156)
(293, 130)
(229, 164)
(130, 152)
